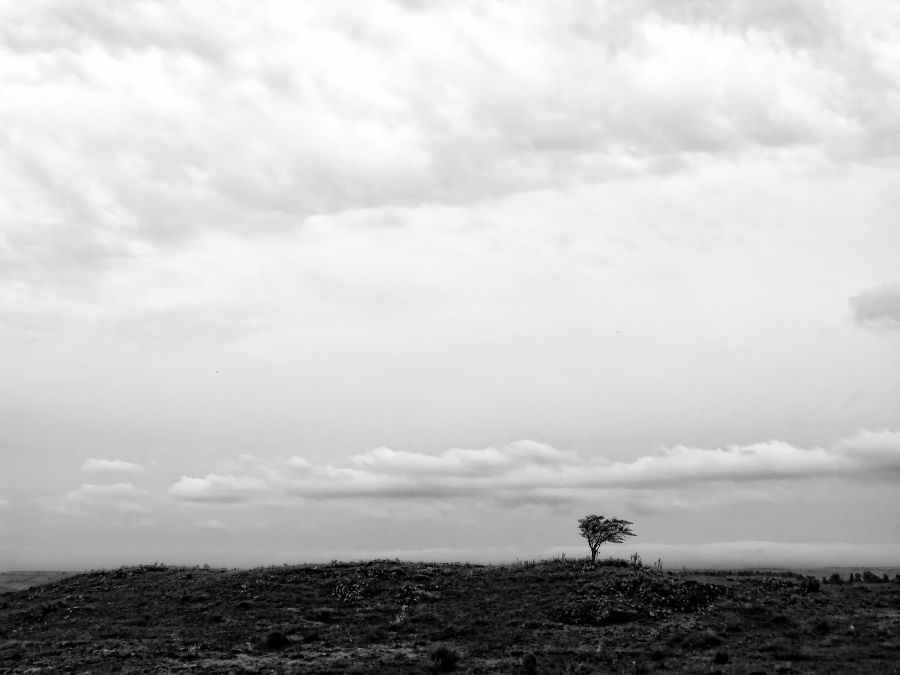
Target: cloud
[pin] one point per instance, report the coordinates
(391, 119)
(113, 466)
(679, 499)
(112, 501)
(459, 462)
(216, 488)
(878, 307)
(879, 451)
(340, 109)
(757, 462)
(534, 473)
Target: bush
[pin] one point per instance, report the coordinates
(810, 585)
(612, 562)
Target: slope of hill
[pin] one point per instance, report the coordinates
(387, 616)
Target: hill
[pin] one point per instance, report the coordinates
(558, 616)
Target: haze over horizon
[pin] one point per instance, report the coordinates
(289, 282)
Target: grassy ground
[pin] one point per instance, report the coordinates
(387, 616)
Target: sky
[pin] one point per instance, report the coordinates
(286, 282)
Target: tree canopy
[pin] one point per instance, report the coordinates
(600, 529)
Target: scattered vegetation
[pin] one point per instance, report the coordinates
(551, 616)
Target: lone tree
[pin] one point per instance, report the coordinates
(600, 529)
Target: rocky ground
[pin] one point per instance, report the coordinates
(387, 616)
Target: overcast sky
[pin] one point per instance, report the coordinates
(286, 281)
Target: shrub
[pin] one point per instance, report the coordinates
(612, 562)
(810, 585)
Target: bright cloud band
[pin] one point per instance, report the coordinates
(527, 471)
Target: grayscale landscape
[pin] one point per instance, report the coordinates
(474, 335)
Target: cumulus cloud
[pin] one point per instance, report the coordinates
(216, 488)
(111, 501)
(760, 461)
(113, 466)
(878, 307)
(527, 472)
(461, 462)
(90, 492)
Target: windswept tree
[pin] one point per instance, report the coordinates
(600, 529)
